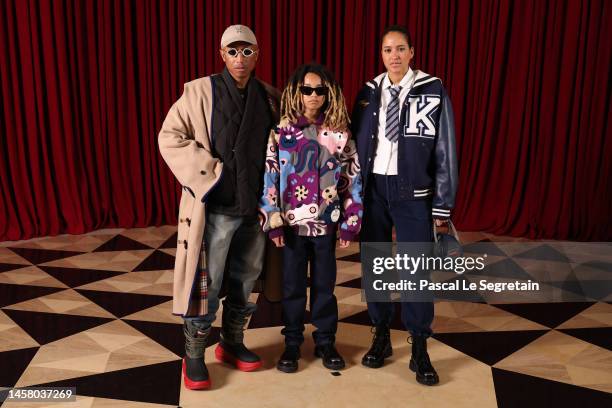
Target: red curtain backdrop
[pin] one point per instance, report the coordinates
(85, 86)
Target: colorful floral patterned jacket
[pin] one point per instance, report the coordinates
(312, 181)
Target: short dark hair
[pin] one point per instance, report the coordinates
(397, 29)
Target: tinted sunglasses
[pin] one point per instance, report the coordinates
(246, 52)
(308, 90)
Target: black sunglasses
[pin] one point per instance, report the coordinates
(308, 90)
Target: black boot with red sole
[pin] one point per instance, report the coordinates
(237, 355)
(195, 374)
(231, 348)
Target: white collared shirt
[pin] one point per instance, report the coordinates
(385, 160)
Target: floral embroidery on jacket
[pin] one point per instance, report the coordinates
(311, 181)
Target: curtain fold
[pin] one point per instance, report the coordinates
(85, 87)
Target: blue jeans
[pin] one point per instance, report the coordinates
(412, 220)
(236, 244)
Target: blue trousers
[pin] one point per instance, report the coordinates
(321, 251)
(413, 223)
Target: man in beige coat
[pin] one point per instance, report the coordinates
(214, 141)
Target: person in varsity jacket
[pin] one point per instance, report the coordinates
(404, 128)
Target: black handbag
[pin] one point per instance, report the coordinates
(447, 244)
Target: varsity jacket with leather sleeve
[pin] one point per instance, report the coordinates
(427, 161)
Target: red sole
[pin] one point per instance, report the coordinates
(194, 385)
(226, 357)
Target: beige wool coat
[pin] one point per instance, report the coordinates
(185, 144)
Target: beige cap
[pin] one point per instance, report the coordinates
(237, 32)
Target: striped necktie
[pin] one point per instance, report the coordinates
(392, 127)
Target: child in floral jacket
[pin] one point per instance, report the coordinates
(312, 189)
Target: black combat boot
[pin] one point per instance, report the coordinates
(381, 348)
(420, 363)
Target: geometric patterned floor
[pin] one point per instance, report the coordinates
(94, 312)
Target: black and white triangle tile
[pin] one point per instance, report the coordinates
(66, 320)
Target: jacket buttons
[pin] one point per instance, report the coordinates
(188, 221)
(181, 220)
(185, 244)
(203, 172)
(372, 136)
(374, 113)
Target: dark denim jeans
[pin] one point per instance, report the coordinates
(412, 219)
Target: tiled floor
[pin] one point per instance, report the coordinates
(93, 312)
